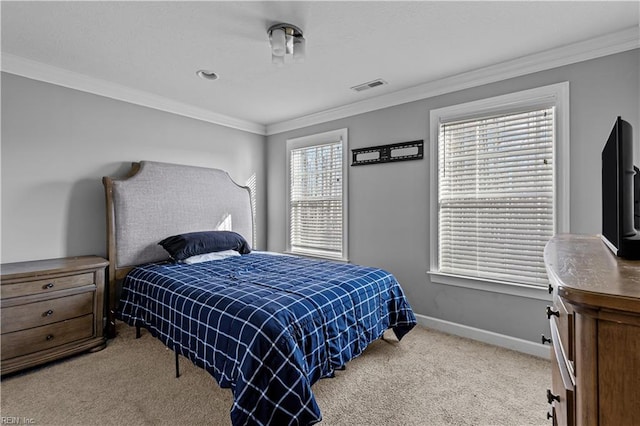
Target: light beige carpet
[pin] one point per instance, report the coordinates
(429, 378)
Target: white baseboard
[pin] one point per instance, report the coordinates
(509, 342)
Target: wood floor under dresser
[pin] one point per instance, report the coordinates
(50, 309)
(595, 333)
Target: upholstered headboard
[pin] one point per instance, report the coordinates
(157, 200)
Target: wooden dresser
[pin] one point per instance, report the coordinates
(595, 333)
(50, 309)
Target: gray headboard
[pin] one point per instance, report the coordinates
(157, 200)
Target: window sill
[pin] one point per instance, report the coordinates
(521, 290)
(317, 256)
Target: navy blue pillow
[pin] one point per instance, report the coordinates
(190, 244)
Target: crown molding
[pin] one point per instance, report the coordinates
(621, 41)
(18, 65)
(609, 44)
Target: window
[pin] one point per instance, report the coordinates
(500, 189)
(316, 195)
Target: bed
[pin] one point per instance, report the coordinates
(265, 325)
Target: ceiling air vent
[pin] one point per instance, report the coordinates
(369, 85)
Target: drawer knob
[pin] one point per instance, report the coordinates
(552, 312)
(49, 337)
(47, 313)
(545, 339)
(550, 289)
(47, 286)
(550, 416)
(551, 397)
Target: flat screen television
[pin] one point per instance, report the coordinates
(619, 197)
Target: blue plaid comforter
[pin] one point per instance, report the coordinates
(266, 326)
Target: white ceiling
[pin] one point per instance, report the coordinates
(157, 47)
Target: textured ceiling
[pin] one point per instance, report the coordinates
(157, 47)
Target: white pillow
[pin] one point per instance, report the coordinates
(216, 255)
(273, 253)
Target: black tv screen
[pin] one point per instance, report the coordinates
(618, 230)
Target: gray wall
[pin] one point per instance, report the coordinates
(57, 143)
(389, 203)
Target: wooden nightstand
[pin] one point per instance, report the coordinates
(50, 309)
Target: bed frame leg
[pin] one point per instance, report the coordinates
(137, 331)
(177, 366)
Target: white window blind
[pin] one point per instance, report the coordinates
(316, 200)
(496, 196)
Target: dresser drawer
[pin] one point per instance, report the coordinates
(561, 395)
(36, 314)
(564, 324)
(45, 337)
(46, 285)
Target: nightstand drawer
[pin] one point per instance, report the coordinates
(36, 314)
(40, 338)
(42, 286)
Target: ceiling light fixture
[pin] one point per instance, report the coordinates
(207, 75)
(286, 42)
